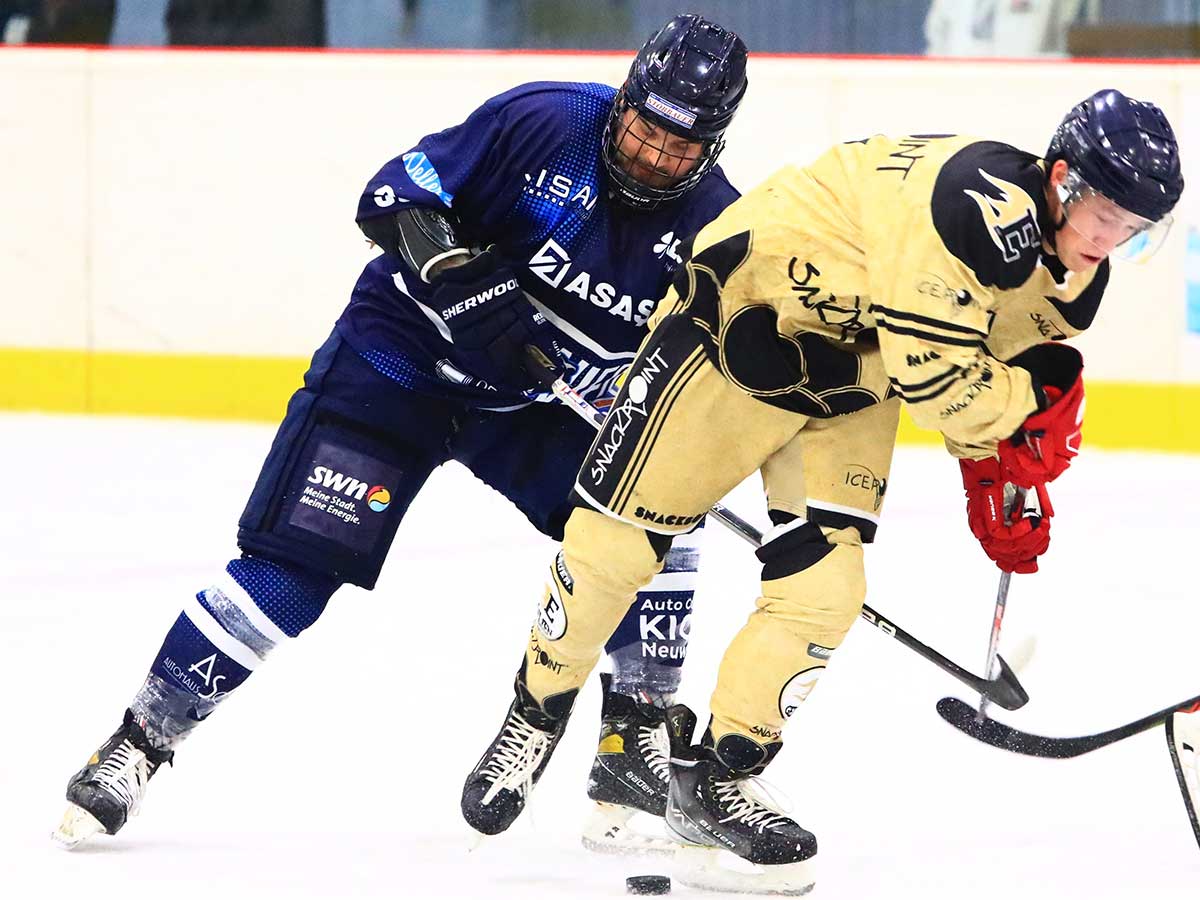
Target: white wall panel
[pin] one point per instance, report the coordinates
(204, 202)
(44, 205)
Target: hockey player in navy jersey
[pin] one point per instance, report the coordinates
(554, 216)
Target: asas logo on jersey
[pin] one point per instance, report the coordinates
(379, 498)
(668, 246)
(339, 483)
(425, 176)
(1010, 219)
(561, 190)
(552, 264)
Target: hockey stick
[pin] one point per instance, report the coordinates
(1176, 743)
(1011, 501)
(1003, 689)
(962, 716)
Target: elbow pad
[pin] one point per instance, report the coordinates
(421, 236)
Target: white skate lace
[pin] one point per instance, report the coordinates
(745, 804)
(655, 745)
(124, 774)
(515, 759)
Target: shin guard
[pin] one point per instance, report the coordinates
(813, 588)
(221, 636)
(593, 581)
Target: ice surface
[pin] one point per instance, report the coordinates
(335, 771)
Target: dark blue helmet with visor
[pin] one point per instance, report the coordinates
(1125, 151)
(687, 80)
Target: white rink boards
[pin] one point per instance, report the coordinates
(335, 771)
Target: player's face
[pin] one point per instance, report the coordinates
(1093, 226)
(654, 156)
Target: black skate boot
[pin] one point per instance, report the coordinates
(632, 772)
(713, 806)
(109, 789)
(497, 788)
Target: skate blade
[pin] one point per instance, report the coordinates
(609, 831)
(76, 827)
(712, 869)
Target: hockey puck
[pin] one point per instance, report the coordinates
(648, 884)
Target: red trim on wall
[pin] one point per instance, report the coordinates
(625, 54)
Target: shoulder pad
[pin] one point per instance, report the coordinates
(987, 205)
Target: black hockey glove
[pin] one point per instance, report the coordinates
(491, 321)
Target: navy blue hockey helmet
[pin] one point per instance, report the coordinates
(1124, 150)
(687, 80)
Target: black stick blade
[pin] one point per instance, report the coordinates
(963, 717)
(1005, 690)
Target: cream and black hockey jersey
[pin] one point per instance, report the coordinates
(908, 266)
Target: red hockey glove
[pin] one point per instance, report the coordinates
(1014, 547)
(1049, 439)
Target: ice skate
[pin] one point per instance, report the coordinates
(631, 774)
(715, 810)
(109, 789)
(497, 788)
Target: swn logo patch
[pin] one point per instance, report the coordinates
(339, 483)
(553, 264)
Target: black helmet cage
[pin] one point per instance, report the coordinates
(688, 80)
(629, 189)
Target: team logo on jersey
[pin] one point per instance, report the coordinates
(668, 246)
(561, 190)
(379, 498)
(425, 176)
(836, 312)
(552, 616)
(863, 479)
(553, 264)
(1010, 219)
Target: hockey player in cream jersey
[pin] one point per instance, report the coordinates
(938, 271)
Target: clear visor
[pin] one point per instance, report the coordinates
(1109, 229)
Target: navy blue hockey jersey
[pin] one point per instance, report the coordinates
(525, 173)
